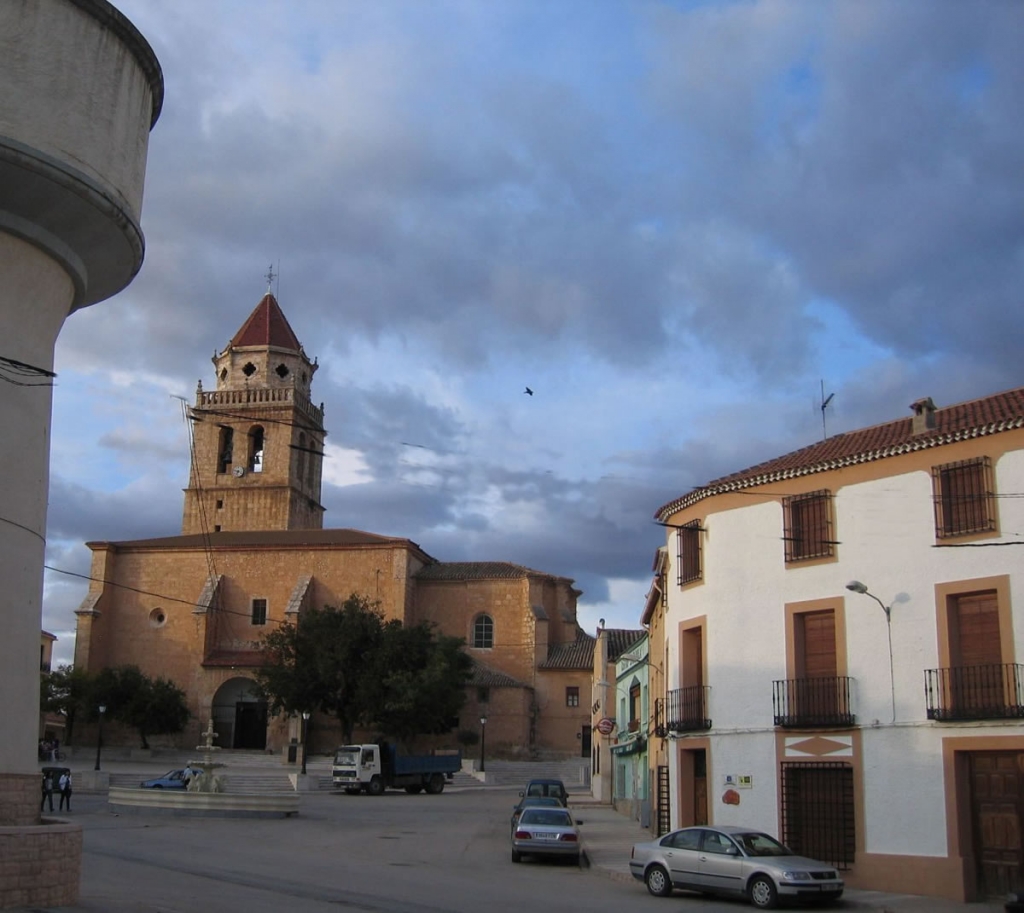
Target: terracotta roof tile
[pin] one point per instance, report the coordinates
(988, 415)
(247, 658)
(283, 538)
(267, 326)
(579, 654)
(486, 677)
(477, 570)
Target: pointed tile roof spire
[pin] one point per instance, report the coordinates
(267, 326)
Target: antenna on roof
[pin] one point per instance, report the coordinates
(270, 278)
(824, 404)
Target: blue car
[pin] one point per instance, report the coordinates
(173, 779)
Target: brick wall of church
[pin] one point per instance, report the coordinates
(454, 605)
(166, 637)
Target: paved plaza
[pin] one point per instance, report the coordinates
(326, 857)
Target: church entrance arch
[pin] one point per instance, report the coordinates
(239, 716)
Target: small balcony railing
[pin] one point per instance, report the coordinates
(686, 709)
(804, 702)
(989, 692)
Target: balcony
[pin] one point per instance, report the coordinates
(686, 709)
(812, 702)
(989, 692)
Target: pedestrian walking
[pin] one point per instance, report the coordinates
(47, 791)
(64, 784)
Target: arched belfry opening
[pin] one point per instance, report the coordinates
(258, 436)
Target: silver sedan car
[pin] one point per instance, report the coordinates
(732, 860)
(542, 831)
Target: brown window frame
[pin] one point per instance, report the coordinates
(688, 552)
(572, 696)
(964, 497)
(259, 611)
(796, 511)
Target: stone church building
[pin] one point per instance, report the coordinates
(253, 553)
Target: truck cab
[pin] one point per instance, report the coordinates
(355, 767)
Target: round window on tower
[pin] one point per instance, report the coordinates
(281, 371)
(157, 618)
(249, 369)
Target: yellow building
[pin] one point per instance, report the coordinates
(252, 553)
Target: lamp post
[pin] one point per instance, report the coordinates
(305, 725)
(99, 735)
(483, 741)
(856, 586)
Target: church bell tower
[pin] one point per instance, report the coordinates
(257, 458)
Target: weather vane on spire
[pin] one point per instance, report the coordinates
(270, 277)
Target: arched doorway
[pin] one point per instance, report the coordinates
(239, 717)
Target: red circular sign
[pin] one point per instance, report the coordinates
(606, 726)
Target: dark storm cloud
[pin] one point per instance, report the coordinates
(141, 511)
(663, 190)
(876, 148)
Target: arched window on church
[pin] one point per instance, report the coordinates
(483, 632)
(225, 449)
(302, 457)
(256, 449)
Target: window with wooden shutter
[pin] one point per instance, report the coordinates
(808, 526)
(688, 541)
(964, 498)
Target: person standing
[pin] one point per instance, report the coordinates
(47, 790)
(64, 784)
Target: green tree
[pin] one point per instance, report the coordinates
(150, 706)
(67, 691)
(419, 682)
(323, 662)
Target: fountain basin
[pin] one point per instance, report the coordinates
(132, 800)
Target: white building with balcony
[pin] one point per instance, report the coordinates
(875, 725)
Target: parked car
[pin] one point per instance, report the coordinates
(546, 832)
(732, 860)
(533, 802)
(173, 779)
(547, 787)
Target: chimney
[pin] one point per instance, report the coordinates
(924, 416)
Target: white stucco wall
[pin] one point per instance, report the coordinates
(75, 93)
(29, 335)
(886, 530)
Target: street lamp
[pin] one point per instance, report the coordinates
(99, 735)
(856, 586)
(483, 741)
(305, 724)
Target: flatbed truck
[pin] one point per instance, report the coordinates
(374, 768)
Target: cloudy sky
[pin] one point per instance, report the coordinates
(677, 222)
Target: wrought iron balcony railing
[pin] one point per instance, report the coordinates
(807, 702)
(686, 709)
(990, 692)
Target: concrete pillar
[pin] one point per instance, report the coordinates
(82, 91)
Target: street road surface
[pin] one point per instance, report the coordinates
(395, 853)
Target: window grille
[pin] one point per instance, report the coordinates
(964, 497)
(808, 525)
(688, 541)
(818, 812)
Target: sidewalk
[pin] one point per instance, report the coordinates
(609, 836)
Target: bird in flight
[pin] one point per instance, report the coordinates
(529, 391)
